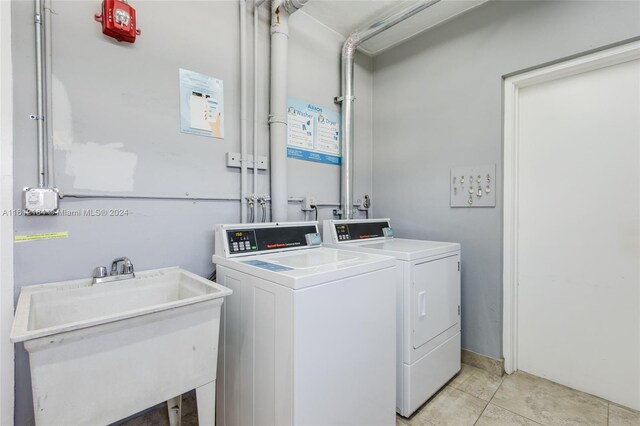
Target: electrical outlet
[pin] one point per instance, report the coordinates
(308, 203)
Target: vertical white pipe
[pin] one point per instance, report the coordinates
(50, 176)
(278, 108)
(38, 19)
(256, 87)
(243, 111)
(280, 10)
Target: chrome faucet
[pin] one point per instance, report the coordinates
(121, 269)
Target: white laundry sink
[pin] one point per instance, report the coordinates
(101, 352)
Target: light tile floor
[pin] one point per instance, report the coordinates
(475, 397)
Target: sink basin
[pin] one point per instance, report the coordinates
(101, 352)
(48, 309)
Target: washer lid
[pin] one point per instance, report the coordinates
(305, 268)
(403, 249)
(315, 259)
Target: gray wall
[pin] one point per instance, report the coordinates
(438, 104)
(139, 109)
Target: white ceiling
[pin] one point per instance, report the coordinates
(346, 16)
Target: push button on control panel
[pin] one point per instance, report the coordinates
(342, 231)
(242, 241)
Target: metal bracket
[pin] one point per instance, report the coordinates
(36, 117)
(234, 159)
(341, 99)
(277, 118)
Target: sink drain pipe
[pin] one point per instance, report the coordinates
(348, 52)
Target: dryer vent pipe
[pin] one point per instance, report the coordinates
(348, 52)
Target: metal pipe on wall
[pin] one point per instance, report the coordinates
(40, 94)
(280, 11)
(256, 87)
(144, 197)
(243, 111)
(256, 5)
(348, 53)
(48, 61)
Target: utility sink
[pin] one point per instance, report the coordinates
(101, 352)
(49, 309)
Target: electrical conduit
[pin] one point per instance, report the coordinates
(40, 93)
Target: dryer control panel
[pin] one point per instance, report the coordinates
(341, 231)
(246, 239)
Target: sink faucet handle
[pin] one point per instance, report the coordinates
(127, 268)
(100, 272)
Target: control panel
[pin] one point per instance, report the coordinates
(242, 241)
(245, 239)
(348, 230)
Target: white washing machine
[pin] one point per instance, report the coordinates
(428, 298)
(308, 335)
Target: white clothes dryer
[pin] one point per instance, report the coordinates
(428, 298)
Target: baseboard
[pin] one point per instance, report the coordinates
(483, 362)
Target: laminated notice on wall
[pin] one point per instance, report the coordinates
(201, 104)
(313, 133)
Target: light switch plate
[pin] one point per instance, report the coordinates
(473, 186)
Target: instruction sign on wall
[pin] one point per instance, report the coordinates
(201, 104)
(313, 133)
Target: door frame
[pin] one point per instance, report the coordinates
(6, 221)
(512, 85)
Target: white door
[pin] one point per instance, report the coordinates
(578, 235)
(435, 298)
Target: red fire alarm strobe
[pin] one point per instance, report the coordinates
(118, 20)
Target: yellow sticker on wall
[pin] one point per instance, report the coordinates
(46, 236)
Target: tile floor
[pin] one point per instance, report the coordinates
(475, 397)
(158, 416)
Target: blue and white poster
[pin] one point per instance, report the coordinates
(201, 104)
(313, 133)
